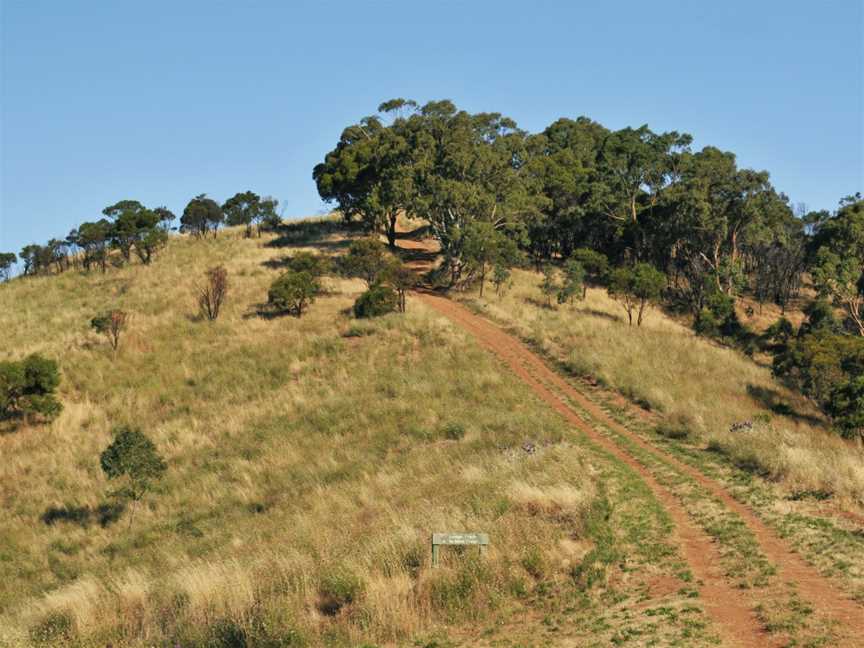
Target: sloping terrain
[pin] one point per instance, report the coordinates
(309, 461)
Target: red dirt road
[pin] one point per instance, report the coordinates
(727, 605)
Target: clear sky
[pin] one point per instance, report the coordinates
(158, 101)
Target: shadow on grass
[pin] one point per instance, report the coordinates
(104, 515)
(774, 401)
(311, 232)
(540, 303)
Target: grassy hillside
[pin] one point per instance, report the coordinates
(699, 388)
(309, 462)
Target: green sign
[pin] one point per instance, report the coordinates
(481, 540)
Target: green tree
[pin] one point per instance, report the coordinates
(500, 276)
(132, 456)
(293, 292)
(549, 284)
(402, 279)
(372, 171)
(201, 215)
(838, 271)
(635, 288)
(28, 389)
(243, 209)
(483, 247)
(315, 264)
(366, 259)
(94, 238)
(134, 226)
(846, 407)
(595, 264)
(7, 260)
(574, 282)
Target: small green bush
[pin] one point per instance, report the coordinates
(55, 627)
(378, 300)
(292, 292)
(337, 590)
(453, 431)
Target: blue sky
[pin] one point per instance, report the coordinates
(159, 101)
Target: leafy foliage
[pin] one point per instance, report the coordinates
(293, 292)
(27, 389)
(378, 300)
(636, 288)
(132, 456)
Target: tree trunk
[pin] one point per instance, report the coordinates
(391, 230)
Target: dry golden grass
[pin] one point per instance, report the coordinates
(691, 380)
(301, 452)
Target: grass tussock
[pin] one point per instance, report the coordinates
(309, 461)
(700, 388)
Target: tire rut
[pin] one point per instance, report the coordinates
(724, 603)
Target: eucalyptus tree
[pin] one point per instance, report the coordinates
(472, 168)
(94, 239)
(563, 162)
(7, 260)
(201, 215)
(634, 168)
(370, 174)
(243, 209)
(838, 255)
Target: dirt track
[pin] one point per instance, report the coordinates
(727, 605)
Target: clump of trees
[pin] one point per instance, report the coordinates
(130, 230)
(28, 390)
(132, 458)
(640, 211)
(387, 279)
(111, 324)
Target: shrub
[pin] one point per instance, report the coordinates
(314, 264)
(293, 292)
(27, 388)
(378, 300)
(56, 627)
(111, 324)
(718, 318)
(366, 259)
(454, 431)
(338, 589)
(212, 294)
(846, 407)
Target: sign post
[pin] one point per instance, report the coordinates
(439, 539)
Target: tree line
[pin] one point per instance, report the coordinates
(653, 219)
(130, 230)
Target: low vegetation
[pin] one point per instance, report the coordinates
(268, 506)
(704, 390)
